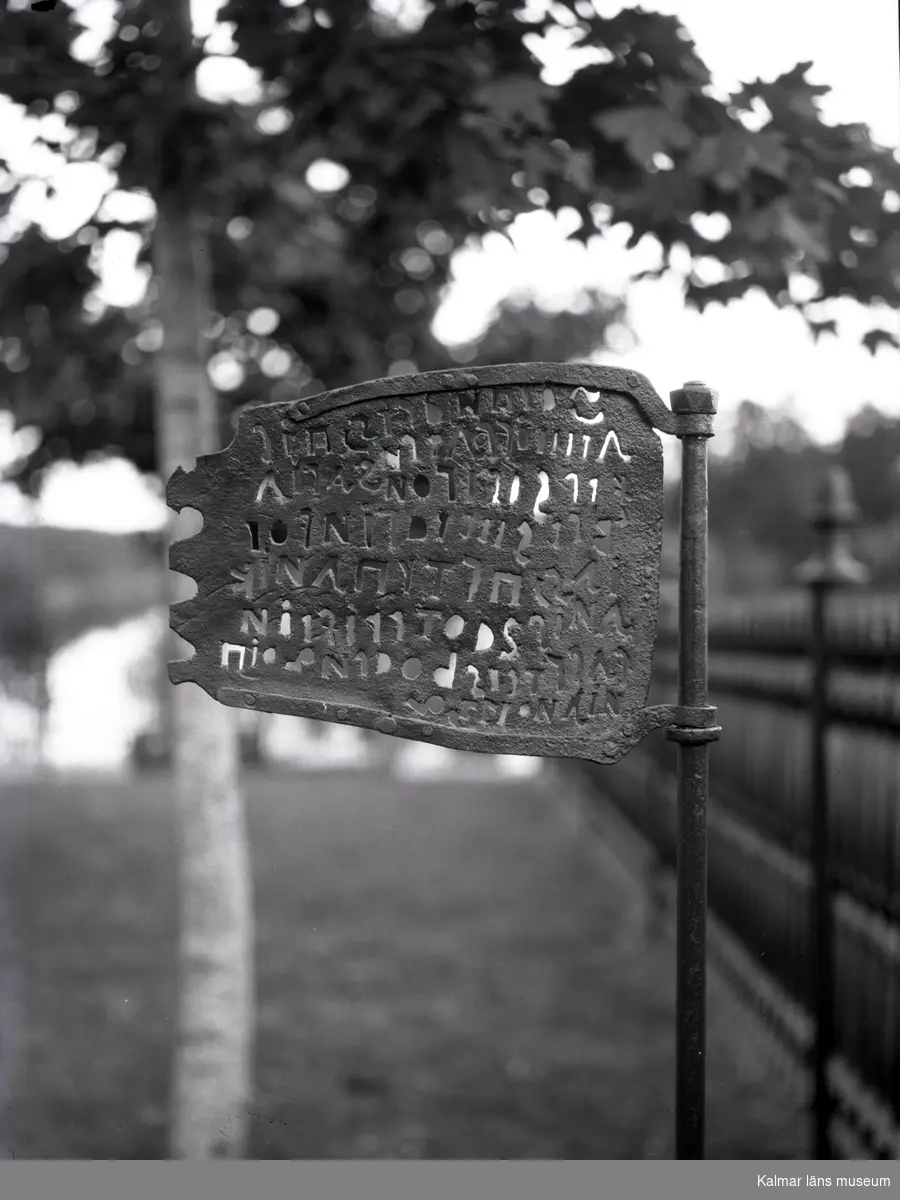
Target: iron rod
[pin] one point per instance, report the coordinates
(822, 923)
(832, 566)
(693, 787)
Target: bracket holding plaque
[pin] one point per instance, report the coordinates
(467, 557)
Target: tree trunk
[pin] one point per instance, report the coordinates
(212, 1067)
(10, 995)
(42, 710)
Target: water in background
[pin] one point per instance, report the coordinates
(101, 700)
(95, 711)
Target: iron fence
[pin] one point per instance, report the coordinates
(804, 834)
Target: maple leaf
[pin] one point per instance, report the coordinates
(790, 93)
(518, 102)
(645, 131)
(728, 157)
(817, 328)
(541, 161)
(806, 237)
(832, 190)
(702, 294)
(578, 169)
(876, 338)
(650, 273)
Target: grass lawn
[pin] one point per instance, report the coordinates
(443, 972)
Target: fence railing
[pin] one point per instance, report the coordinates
(804, 857)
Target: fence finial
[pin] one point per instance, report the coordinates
(833, 514)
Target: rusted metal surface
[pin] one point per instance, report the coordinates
(466, 557)
(693, 777)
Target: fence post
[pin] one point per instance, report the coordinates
(832, 566)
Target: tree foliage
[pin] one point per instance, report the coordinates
(870, 453)
(446, 130)
(763, 488)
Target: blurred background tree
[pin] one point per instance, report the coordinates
(437, 132)
(304, 238)
(25, 646)
(762, 486)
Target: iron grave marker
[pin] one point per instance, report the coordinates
(465, 557)
(471, 558)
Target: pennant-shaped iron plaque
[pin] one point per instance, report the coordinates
(467, 557)
(470, 558)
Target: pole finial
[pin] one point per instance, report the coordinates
(695, 397)
(834, 506)
(833, 514)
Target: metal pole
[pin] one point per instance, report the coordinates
(697, 401)
(822, 931)
(832, 567)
